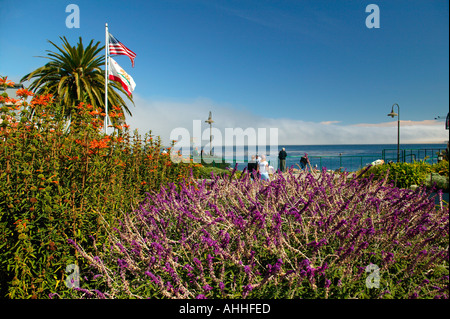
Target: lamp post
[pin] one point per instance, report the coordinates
(210, 121)
(393, 114)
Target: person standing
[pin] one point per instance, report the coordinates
(252, 167)
(282, 157)
(264, 168)
(304, 161)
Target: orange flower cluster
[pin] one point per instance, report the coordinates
(10, 100)
(83, 106)
(114, 114)
(21, 222)
(118, 114)
(94, 112)
(97, 123)
(96, 145)
(4, 81)
(24, 93)
(42, 100)
(119, 127)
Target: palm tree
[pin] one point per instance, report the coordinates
(73, 75)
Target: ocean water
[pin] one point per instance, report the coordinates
(345, 157)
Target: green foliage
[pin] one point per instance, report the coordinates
(438, 181)
(403, 175)
(205, 172)
(74, 75)
(212, 161)
(58, 183)
(298, 236)
(441, 168)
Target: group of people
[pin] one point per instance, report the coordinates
(259, 167)
(304, 160)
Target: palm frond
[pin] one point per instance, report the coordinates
(74, 74)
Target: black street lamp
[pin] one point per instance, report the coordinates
(393, 114)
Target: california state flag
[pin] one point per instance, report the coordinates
(116, 73)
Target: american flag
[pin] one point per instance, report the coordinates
(117, 48)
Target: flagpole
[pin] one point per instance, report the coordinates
(106, 75)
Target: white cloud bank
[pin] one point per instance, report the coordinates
(164, 116)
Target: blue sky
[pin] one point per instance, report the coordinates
(311, 68)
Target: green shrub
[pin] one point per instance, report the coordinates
(441, 168)
(205, 172)
(298, 236)
(438, 181)
(57, 184)
(403, 175)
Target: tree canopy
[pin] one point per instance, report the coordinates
(74, 75)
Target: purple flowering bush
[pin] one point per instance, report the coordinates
(297, 236)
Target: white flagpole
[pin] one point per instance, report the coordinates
(106, 75)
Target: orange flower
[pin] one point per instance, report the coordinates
(11, 100)
(24, 93)
(19, 221)
(103, 143)
(97, 123)
(42, 100)
(112, 114)
(94, 112)
(5, 81)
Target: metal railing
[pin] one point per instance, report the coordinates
(429, 155)
(350, 163)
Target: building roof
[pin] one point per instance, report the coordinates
(11, 91)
